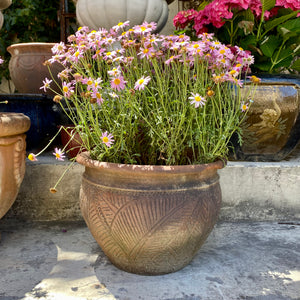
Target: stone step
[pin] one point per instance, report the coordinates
(256, 191)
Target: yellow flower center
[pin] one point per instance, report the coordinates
(65, 89)
(196, 46)
(117, 81)
(120, 24)
(105, 139)
(77, 53)
(141, 81)
(143, 28)
(31, 157)
(222, 51)
(90, 82)
(198, 98)
(146, 50)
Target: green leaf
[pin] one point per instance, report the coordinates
(283, 58)
(277, 21)
(269, 45)
(296, 65)
(203, 4)
(247, 41)
(267, 4)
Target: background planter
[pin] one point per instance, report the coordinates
(271, 129)
(149, 219)
(72, 140)
(12, 157)
(43, 112)
(27, 69)
(107, 13)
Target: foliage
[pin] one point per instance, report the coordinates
(141, 98)
(270, 29)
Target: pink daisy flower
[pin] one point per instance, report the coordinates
(107, 139)
(32, 157)
(118, 83)
(141, 83)
(197, 100)
(46, 85)
(59, 154)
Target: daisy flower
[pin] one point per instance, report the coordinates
(46, 85)
(197, 100)
(244, 106)
(107, 139)
(59, 154)
(118, 83)
(32, 157)
(141, 83)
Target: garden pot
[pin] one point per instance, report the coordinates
(271, 129)
(71, 141)
(27, 69)
(149, 219)
(12, 157)
(107, 13)
(43, 113)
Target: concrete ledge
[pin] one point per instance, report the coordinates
(256, 191)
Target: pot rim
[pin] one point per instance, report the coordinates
(84, 159)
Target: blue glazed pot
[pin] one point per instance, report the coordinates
(45, 116)
(271, 129)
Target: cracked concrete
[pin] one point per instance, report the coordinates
(240, 260)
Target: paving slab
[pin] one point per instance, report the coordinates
(62, 261)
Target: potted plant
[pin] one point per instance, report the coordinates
(270, 30)
(155, 114)
(30, 28)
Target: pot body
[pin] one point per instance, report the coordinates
(149, 219)
(271, 129)
(27, 69)
(107, 13)
(12, 157)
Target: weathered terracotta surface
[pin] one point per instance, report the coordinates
(27, 69)
(12, 157)
(271, 129)
(149, 219)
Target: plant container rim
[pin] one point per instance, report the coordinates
(85, 160)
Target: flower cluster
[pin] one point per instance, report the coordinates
(139, 97)
(267, 28)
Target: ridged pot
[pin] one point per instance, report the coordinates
(12, 157)
(271, 129)
(149, 220)
(27, 69)
(106, 13)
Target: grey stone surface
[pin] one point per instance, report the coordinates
(256, 191)
(240, 260)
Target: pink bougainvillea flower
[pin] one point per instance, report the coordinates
(118, 83)
(59, 154)
(107, 139)
(197, 100)
(142, 82)
(46, 85)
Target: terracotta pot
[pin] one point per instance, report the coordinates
(27, 69)
(271, 129)
(107, 13)
(5, 4)
(149, 219)
(12, 157)
(72, 140)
